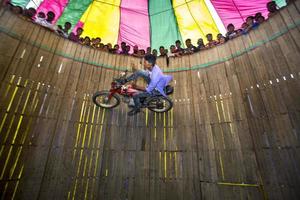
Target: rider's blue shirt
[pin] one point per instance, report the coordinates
(158, 80)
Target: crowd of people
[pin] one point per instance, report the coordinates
(176, 50)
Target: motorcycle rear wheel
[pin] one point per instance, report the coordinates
(159, 104)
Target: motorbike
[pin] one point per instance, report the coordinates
(120, 90)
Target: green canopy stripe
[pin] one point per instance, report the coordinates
(73, 12)
(164, 29)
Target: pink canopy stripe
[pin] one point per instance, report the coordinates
(236, 11)
(78, 25)
(134, 24)
(56, 6)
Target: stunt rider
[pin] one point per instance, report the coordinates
(155, 79)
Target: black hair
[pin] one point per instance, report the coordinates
(151, 59)
(229, 25)
(161, 47)
(188, 40)
(51, 13)
(178, 41)
(68, 23)
(250, 17)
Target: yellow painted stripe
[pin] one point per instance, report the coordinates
(165, 164)
(79, 125)
(107, 28)
(175, 158)
(238, 184)
(194, 19)
(221, 165)
(12, 170)
(6, 162)
(12, 99)
(146, 119)
(75, 188)
(16, 187)
(3, 121)
(9, 85)
(8, 131)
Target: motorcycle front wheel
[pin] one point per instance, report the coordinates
(101, 99)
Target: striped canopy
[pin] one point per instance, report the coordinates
(149, 22)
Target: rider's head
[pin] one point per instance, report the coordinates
(149, 61)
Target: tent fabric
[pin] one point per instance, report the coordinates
(280, 3)
(164, 29)
(56, 6)
(152, 23)
(34, 4)
(21, 3)
(194, 19)
(134, 23)
(74, 11)
(102, 20)
(236, 11)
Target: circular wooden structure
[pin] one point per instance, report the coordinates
(234, 131)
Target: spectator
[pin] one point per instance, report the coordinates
(30, 13)
(110, 48)
(257, 15)
(173, 52)
(162, 51)
(211, 42)
(127, 50)
(251, 24)
(154, 52)
(200, 44)
(48, 23)
(41, 17)
(272, 8)
(148, 51)
(179, 50)
(260, 19)
(116, 49)
(96, 42)
(190, 48)
(221, 39)
(123, 48)
(231, 32)
(105, 48)
(142, 52)
(64, 31)
(76, 38)
(244, 28)
(135, 51)
(101, 46)
(240, 32)
(87, 41)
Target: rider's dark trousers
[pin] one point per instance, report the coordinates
(137, 97)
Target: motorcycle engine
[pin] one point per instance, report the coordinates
(126, 99)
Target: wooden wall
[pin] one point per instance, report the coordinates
(233, 133)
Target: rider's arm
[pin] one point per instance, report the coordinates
(154, 81)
